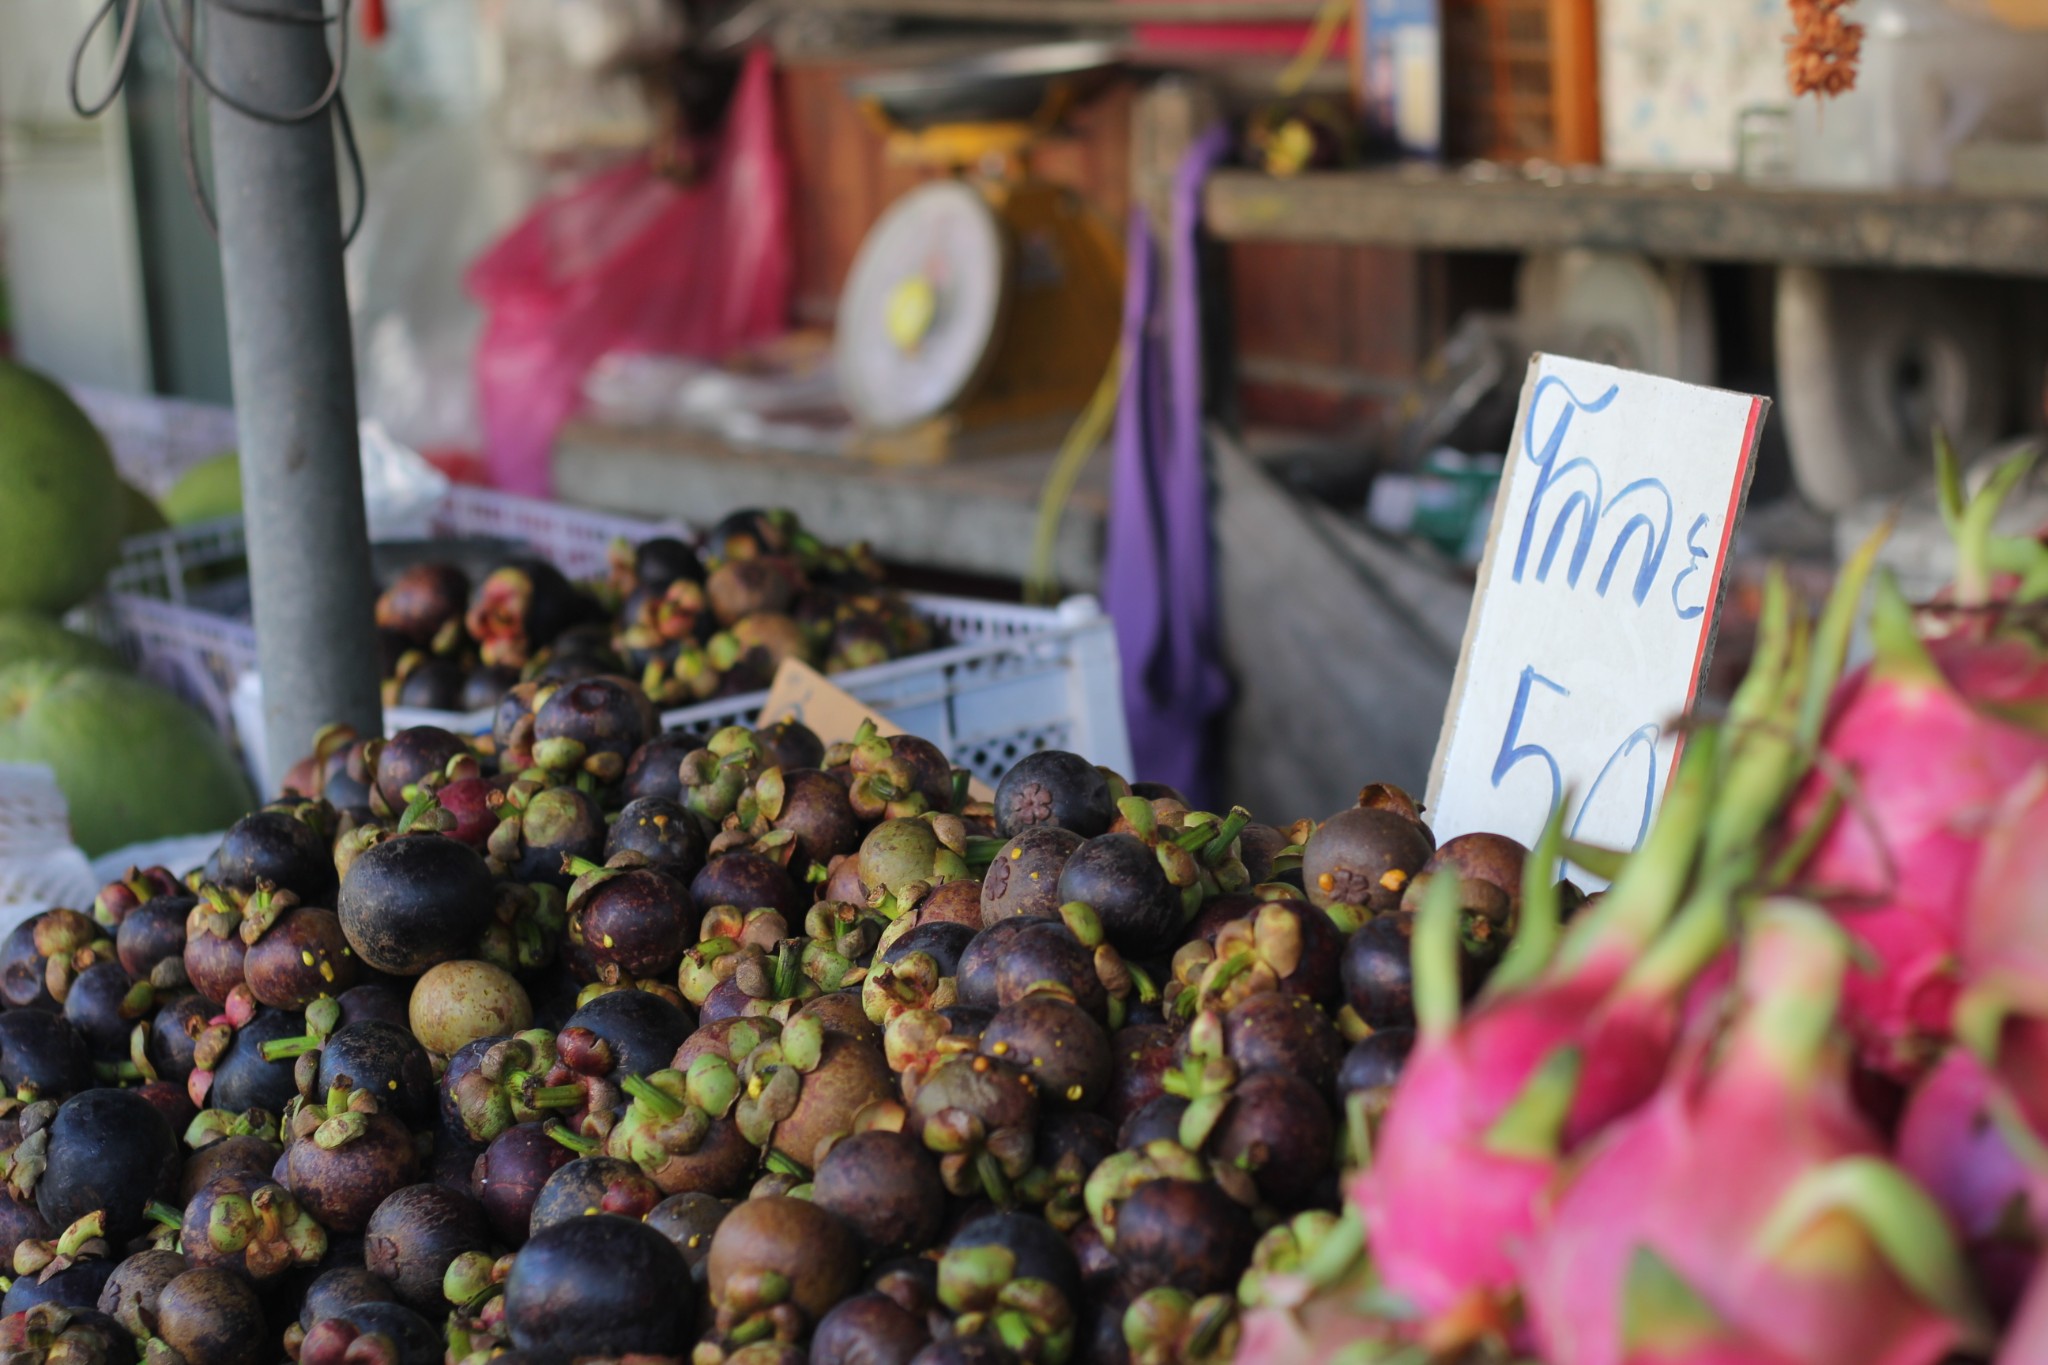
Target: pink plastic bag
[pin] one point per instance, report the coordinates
(628, 261)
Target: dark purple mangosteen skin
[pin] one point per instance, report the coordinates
(244, 1080)
(868, 1329)
(1278, 1127)
(816, 809)
(601, 1183)
(1053, 787)
(887, 1188)
(655, 769)
(659, 829)
(1364, 857)
(433, 685)
(76, 1286)
(336, 1291)
(749, 881)
(378, 1000)
(276, 847)
(943, 940)
(111, 1150)
(21, 971)
(1046, 950)
(640, 921)
(1277, 1031)
(413, 1236)
(414, 901)
(1121, 878)
(173, 1035)
(416, 752)
(1157, 1118)
(1375, 1061)
(418, 1341)
(606, 715)
(93, 1008)
(1024, 879)
(979, 963)
(343, 1186)
(1185, 1234)
(600, 1286)
(643, 1029)
(385, 1060)
(1056, 1043)
(1142, 1055)
(510, 1174)
(486, 685)
(152, 932)
(790, 745)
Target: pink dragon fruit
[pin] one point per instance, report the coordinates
(1958, 1141)
(1563, 1043)
(2026, 1341)
(1930, 768)
(1749, 1203)
(1476, 1126)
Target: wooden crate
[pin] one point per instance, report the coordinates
(1521, 80)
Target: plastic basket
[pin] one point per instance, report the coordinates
(1013, 679)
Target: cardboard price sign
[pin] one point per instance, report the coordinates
(801, 692)
(1597, 603)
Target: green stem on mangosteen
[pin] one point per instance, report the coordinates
(279, 1049)
(163, 1213)
(665, 1107)
(994, 1183)
(783, 1165)
(581, 1146)
(553, 1097)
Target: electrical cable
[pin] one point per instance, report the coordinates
(184, 42)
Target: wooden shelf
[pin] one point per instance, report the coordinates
(1104, 13)
(1702, 218)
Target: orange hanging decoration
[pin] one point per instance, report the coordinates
(1821, 54)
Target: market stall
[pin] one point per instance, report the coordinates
(1024, 682)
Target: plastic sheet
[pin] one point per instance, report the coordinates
(628, 261)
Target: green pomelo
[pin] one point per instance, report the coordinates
(26, 637)
(134, 762)
(208, 490)
(60, 508)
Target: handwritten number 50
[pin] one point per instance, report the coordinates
(1512, 753)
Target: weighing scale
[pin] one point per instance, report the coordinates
(983, 309)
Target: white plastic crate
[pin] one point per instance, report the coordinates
(1012, 680)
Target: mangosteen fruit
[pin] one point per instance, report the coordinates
(109, 1151)
(1024, 879)
(810, 1248)
(591, 1185)
(422, 600)
(600, 1286)
(413, 1236)
(1058, 1045)
(1121, 879)
(277, 847)
(1364, 857)
(510, 1174)
(661, 831)
(213, 1315)
(640, 1030)
(456, 1003)
(413, 901)
(1182, 1234)
(1053, 787)
(868, 1329)
(887, 1188)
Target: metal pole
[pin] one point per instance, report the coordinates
(279, 206)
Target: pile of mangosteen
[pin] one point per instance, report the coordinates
(591, 1042)
(689, 624)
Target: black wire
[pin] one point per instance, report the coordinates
(123, 45)
(190, 69)
(306, 115)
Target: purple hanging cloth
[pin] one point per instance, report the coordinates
(1159, 579)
